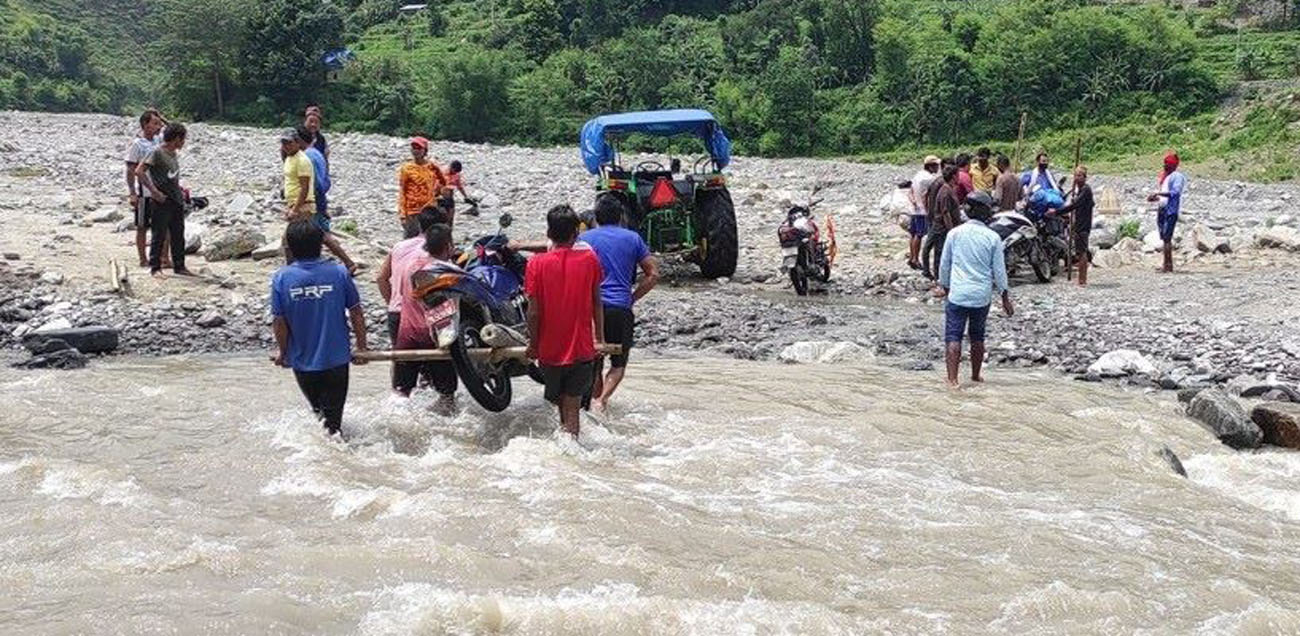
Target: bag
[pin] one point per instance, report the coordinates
(1044, 199)
(900, 205)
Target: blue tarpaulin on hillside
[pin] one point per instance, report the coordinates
(337, 59)
(596, 149)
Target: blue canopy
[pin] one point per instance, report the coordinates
(594, 142)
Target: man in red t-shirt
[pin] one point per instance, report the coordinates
(563, 287)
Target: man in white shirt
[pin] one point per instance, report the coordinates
(918, 228)
(151, 123)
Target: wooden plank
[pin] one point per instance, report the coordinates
(424, 355)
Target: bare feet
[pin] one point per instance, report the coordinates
(158, 273)
(185, 272)
(144, 262)
(953, 384)
(977, 378)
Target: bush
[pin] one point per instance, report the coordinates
(1128, 228)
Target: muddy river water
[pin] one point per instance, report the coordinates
(195, 495)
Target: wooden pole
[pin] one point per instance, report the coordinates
(484, 353)
(1020, 137)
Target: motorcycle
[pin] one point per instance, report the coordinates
(475, 304)
(804, 255)
(1039, 242)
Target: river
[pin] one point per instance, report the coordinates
(195, 495)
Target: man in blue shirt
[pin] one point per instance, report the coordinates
(313, 300)
(621, 251)
(1170, 198)
(972, 269)
(320, 169)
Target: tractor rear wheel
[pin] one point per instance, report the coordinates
(717, 223)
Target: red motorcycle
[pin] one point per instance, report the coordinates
(804, 255)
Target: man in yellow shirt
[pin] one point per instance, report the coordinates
(983, 175)
(300, 190)
(299, 179)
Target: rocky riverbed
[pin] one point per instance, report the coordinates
(1225, 317)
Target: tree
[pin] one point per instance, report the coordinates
(282, 52)
(472, 100)
(792, 112)
(200, 52)
(437, 20)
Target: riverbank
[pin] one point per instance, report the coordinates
(1222, 317)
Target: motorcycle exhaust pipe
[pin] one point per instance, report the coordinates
(495, 335)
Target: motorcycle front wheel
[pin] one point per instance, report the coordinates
(800, 280)
(489, 384)
(1042, 268)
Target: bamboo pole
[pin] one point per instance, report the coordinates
(1020, 137)
(484, 353)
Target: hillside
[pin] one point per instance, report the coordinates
(879, 79)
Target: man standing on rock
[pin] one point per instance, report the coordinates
(138, 193)
(563, 288)
(621, 251)
(918, 228)
(160, 172)
(313, 300)
(1170, 198)
(420, 184)
(972, 270)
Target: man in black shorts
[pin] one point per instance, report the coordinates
(621, 252)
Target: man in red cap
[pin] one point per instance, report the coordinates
(419, 185)
(1169, 196)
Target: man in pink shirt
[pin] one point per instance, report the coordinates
(394, 279)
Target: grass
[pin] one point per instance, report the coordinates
(1129, 228)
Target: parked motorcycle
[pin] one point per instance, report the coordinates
(804, 255)
(476, 304)
(1039, 242)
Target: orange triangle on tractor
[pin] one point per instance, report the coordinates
(663, 195)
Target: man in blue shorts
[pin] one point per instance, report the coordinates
(971, 270)
(1170, 201)
(313, 300)
(621, 251)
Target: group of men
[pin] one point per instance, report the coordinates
(968, 259)
(580, 287)
(154, 190)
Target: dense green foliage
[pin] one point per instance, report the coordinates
(786, 77)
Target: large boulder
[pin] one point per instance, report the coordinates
(1280, 423)
(1122, 362)
(1224, 417)
(97, 339)
(107, 214)
(823, 352)
(232, 243)
(1206, 240)
(1280, 237)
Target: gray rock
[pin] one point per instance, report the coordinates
(239, 204)
(1280, 423)
(232, 243)
(63, 359)
(97, 339)
(106, 215)
(1279, 237)
(52, 278)
(1173, 461)
(1186, 395)
(194, 233)
(42, 346)
(270, 250)
(210, 319)
(823, 352)
(1224, 417)
(1120, 363)
(13, 256)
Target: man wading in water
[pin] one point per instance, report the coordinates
(971, 270)
(563, 287)
(313, 300)
(621, 251)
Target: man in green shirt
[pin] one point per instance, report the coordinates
(161, 174)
